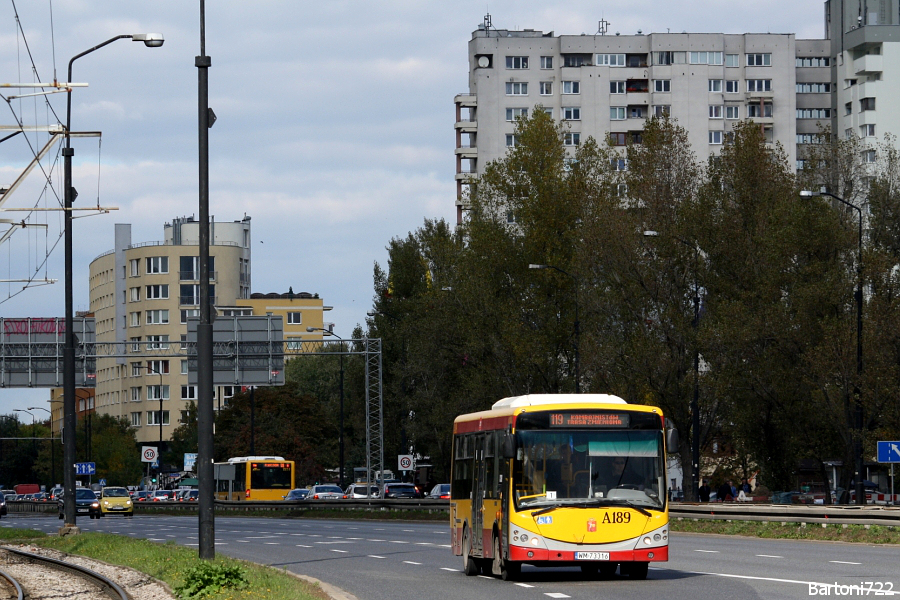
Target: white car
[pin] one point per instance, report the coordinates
(326, 492)
(358, 490)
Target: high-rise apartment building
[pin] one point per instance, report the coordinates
(606, 86)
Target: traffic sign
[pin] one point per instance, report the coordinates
(102, 481)
(85, 468)
(889, 452)
(190, 459)
(148, 454)
(405, 462)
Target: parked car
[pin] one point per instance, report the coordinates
(141, 496)
(326, 492)
(358, 490)
(401, 490)
(191, 496)
(440, 492)
(85, 503)
(297, 494)
(56, 493)
(115, 500)
(40, 497)
(2, 506)
(9, 497)
(163, 495)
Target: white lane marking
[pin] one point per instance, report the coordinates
(373, 556)
(329, 543)
(409, 562)
(374, 540)
(424, 544)
(769, 556)
(408, 530)
(341, 551)
(271, 543)
(709, 551)
(556, 595)
(843, 562)
(449, 569)
(524, 585)
(443, 546)
(398, 542)
(302, 546)
(821, 586)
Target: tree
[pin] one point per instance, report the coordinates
(184, 438)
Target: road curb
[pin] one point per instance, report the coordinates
(334, 592)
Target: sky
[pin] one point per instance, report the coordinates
(334, 128)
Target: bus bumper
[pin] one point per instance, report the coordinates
(524, 554)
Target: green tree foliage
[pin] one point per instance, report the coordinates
(184, 438)
(114, 449)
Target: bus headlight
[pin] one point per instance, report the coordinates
(647, 540)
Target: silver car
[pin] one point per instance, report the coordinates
(326, 492)
(358, 490)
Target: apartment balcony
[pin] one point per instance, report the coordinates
(868, 64)
(467, 152)
(465, 175)
(466, 126)
(766, 122)
(867, 117)
(466, 100)
(766, 95)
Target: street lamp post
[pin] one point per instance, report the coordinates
(52, 449)
(152, 40)
(341, 432)
(577, 322)
(695, 399)
(858, 407)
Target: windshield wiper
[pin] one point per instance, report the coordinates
(592, 504)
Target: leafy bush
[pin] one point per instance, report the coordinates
(208, 578)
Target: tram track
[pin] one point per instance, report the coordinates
(25, 574)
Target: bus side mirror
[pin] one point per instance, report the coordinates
(508, 446)
(671, 436)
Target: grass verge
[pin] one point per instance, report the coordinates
(171, 563)
(871, 534)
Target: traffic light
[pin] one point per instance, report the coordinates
(153, 480)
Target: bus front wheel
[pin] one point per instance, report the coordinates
(470, 567)
(503, 569)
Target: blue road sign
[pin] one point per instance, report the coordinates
(102, 482)
(889, 452)
(86, 468)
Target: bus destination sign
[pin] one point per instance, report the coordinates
(591, 419)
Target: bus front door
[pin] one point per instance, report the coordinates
(478, 497)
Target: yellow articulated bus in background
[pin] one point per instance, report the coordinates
(561, 480)
(254, 478)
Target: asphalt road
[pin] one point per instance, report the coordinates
(378, 560)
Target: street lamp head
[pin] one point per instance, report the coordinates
(151, 40)
(651, 233)
(537, 266)
(808, 194)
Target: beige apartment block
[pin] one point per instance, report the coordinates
(141, 295)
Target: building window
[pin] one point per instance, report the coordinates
(705, 58)
(135, 319)
(157, 342)
(622, 190)
(157, 392)
(813, 61)
(184, 367)
(617, 113)
(546, 88)
(183, 341)
(619, 164)
(813, 88)
(616, 87)
(756, 111)
(135, 394)
(813, 113)
(516, 88)
(157, 292)
(715, 85)
(135, 344)
(662, 109)
(189, 294)
(514, 113)
(715, 111)
(135, 267)
(153, 417)
(732, 86)
(759, 85)
(610, 60)
(516, 62)
(135, 294)
(617, 139)
(810, 138)
(571, 138)
(187, 313)
(512, 140)
(867, 130)
(866, 104)
(732, 60)
(662, 85)
(571, 113)
(136, 369)
(571, 87)
(189, 392)
(158, 367)
(295, 318)
(759, 60)
(135, 419)
(158, 317)
(732, 112)
(715, 137)
(546, 62)
(636, 112)
(157, 264)
(868, 156)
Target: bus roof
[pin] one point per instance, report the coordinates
(240, 459)
(550, 399)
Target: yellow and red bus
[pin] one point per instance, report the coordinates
(560, 480)
(254, 478)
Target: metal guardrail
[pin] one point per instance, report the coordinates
(787, 513)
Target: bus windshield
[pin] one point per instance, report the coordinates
(590, 467)
(270, 475)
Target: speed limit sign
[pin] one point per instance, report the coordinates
(148, 454)
(405, 462)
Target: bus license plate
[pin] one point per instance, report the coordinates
(592, 556)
